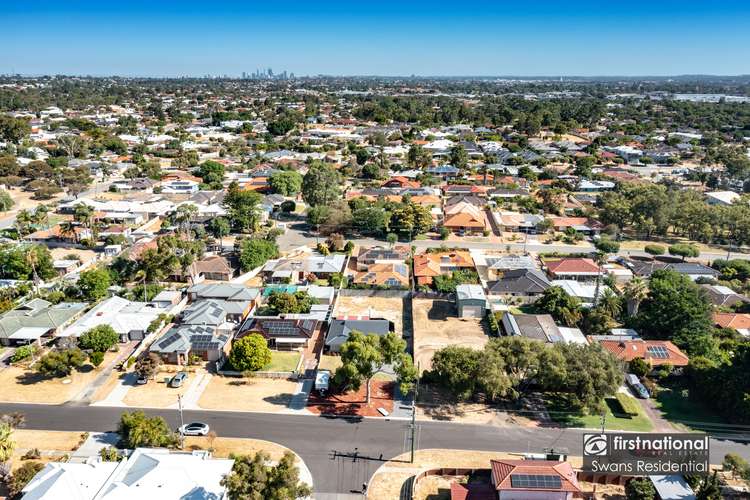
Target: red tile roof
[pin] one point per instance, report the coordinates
(472, 492)
(628, 350)
(732, 320)
(503, 469)
(572, 266)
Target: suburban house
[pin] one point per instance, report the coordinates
(498, 265)
(470, 301)
(721, 295)
(465, 218)
(516, 222)
(655, 352)
(221, 314)
(572, 269)
(215, 268)
(281, 333)
(535, 326)
(223, 291)
(182, 342)
(724, 198)
(145, 473)
(738, 322)
(303, 269)
(524, 284)
(692, 270)
(582, 225)
(429, 265)
(340, 329)
(180, 187)
(381, 255)
(35, 319)
(400, 182)
(129, 319)
(582, 290)
(384, 275)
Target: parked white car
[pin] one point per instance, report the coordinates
(194, 429)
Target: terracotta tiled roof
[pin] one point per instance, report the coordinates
(572, 266)
(502, 470)
(465, 220)
(732, 320)
(649, 350)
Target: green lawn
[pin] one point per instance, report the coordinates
(282, 361)
(559, 412)
(684, 412)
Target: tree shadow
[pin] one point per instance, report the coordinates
(279, 399)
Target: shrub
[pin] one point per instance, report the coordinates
(654, 249)
(639, 367)
(32, 454)
(138, 430)
(21, 477)
(629, 405)
(96, 358)
(250, 353)
(109, 454)
(100, 338)
(61, 363)
(23, 352)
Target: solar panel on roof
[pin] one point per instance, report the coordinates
(171, 339)
(535, 481)
(658, 351)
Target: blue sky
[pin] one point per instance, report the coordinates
(356, 37)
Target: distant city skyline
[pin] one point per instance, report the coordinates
(546, 38)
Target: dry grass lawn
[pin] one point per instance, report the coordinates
(247, 394)
(328, 362)
(157, 394)
(436, 326)
(19, 384)
(83, 254)
(52, 445)
(374, 307)
(224, 447)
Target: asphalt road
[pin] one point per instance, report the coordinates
(298, 235)
(328, 445)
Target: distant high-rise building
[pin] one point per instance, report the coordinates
(270, 73)
(244, 75)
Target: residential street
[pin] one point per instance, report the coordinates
(321, 441)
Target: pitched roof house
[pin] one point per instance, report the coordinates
(528, 284)
(465, 217)
(381, 255)
(36, 318)
(657, 352)
(429, 265)
(388, 275)
(538, 479)
(340, 329)
(573, 268)
(735, 321)
(146, 473)
(533, 326)
(279, 332)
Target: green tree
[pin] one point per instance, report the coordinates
(635, 292)
(591, 374)
(607, 245)
(709, 488)
(212, 174)
(93, 284)
(12, 129)
(138, 430)
(243, 208)
(287, 183)
(320, 185)
(639, 367)
(219, 227)
(561, 306)
(250, 353)
(675, 309)
(458, 369)
(285, 303)
(60, 363)
(148, 366)
(684, 250)
(524, 361)
(99, 339)
(254, 252)
(640, 488)
(7, 444)
(6, 202)
(253, 478)
(363, 356)
(654, 249)
(737, 465)
(458, 156)
(417, 157)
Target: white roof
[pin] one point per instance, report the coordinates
(572, 335)
(672, 488)
(147, 473)
(29, 332)
(121, 314)
(584, 291)
(464, 292)
(727, 197)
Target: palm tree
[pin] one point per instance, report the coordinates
(7, 445)
(23, 221)
(600, 258)
(610, 304)
(635, 292)
(67, 229)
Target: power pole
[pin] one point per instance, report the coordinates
(182, 421)
(604, 419)
(414, 416)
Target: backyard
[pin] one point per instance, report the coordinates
(390, 308)
(436, 326)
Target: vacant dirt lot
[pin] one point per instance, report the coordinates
(19, 384)
(156, 393)
(247, 394)
(436, 326)
(374, 307)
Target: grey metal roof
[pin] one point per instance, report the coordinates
(340, 329)
(520, 281)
